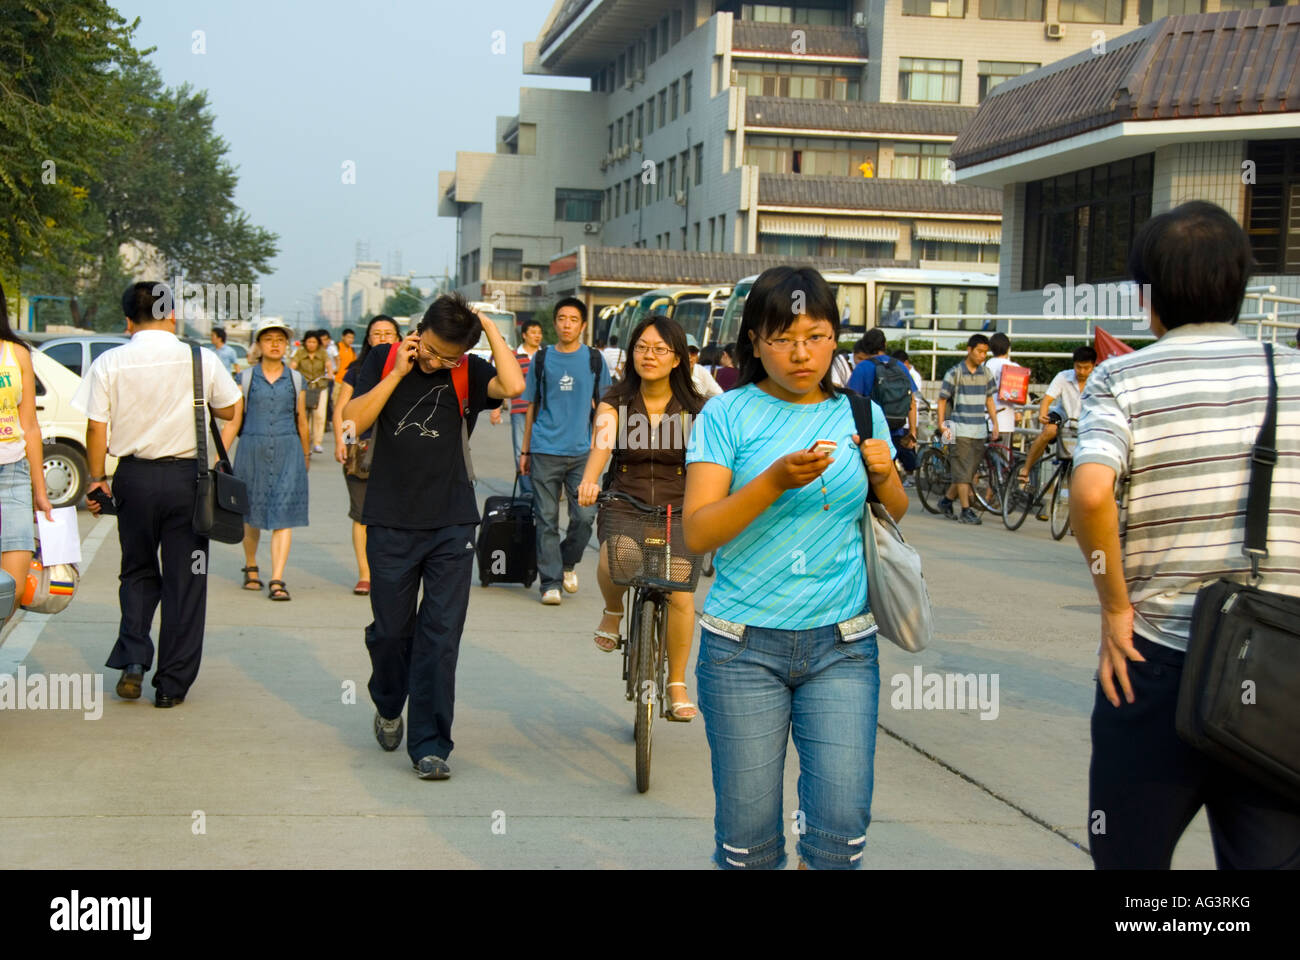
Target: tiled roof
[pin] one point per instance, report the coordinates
(1209, 65)
(853, 116)
(822, 41)
(924, 196)
(681, 266)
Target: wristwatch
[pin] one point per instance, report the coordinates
(103, 479)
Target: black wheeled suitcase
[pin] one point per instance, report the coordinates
(507, 541)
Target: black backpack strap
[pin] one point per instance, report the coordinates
(200, 441)
(539, 394)
(597, 364)
(862, 425)
(1262, 460)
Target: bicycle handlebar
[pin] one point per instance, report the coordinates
(615, 496)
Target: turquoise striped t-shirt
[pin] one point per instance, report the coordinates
(796, 566)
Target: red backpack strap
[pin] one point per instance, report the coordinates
(391, 360)
(460, 380)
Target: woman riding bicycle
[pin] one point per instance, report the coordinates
(786, 641)
(641, 422)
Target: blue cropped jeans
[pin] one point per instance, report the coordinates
(753, 694)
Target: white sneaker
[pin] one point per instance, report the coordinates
(318, 449)
(551, 597)
(570, 581)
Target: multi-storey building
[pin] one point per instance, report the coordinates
(1087, 150)
(812, 128)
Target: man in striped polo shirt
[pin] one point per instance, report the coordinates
(531, 336)
(970, 389)
(1176, 422)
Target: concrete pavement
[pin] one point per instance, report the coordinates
(271, 761)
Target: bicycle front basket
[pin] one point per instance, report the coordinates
(645, 551)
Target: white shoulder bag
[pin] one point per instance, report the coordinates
(896, 590)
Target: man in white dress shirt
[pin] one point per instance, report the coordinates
(144, 392)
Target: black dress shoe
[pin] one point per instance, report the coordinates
(163, 700)
(128, 685)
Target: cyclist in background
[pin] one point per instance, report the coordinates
(787, 643)
(1060, 405)
(642, 424)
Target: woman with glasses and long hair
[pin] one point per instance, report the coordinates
(22, 461)
(356, 456)
(777, 483)
(642, 423)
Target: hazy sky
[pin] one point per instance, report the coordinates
(300, 86)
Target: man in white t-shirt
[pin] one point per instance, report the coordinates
(1060, 404)
(703, 380)
(614, 357)
(1000, 347)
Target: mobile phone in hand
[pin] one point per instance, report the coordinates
(823, 447)
(106, 505)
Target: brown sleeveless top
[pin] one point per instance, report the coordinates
(650, 464)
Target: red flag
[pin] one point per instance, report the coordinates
(1108, 346)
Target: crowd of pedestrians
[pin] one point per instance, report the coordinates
(759, 447)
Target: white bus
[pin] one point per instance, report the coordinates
(506, 323)
(887, 297)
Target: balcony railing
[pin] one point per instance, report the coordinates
(814, 41)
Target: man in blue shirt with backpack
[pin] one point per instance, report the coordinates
(565, 382)
(888, 382)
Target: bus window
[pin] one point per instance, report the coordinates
(894, 305)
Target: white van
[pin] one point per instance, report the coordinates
(63, 432)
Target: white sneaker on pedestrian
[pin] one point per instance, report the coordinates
(570, 581)
(318, 449)
(551, 597)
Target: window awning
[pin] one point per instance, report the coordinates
(959, 232)
(792, 226)
(859, 230)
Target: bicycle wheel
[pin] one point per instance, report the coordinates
(1016, 501)
(1059, 512)
(931, 478)
(646, 694)
(987, 486)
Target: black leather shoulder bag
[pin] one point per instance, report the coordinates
(221, 499)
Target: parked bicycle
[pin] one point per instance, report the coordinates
(934, 475)
(647, 553)
(1018, 501)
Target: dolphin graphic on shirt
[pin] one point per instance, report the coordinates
(422, 425)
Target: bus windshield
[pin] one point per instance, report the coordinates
(729, 328)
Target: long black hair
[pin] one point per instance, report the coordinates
(6, 331)
(365, 340)
(679, 379)
(770, 310)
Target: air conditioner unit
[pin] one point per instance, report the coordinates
(604, 162)
(681, 198)
(1055, 31)
(590, 228)
(859, 19)
(631, 82)
(735, 77)
(636, 144)
(530, 275)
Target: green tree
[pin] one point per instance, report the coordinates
(60, 114)
(404, 303)
(545, 316)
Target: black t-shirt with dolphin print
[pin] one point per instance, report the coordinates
(418, 480)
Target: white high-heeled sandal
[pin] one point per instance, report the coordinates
(606, 635)
(672, 711)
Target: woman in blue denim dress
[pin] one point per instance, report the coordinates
(272, 458)
(787, 642)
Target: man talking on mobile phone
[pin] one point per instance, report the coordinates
(422, 396)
